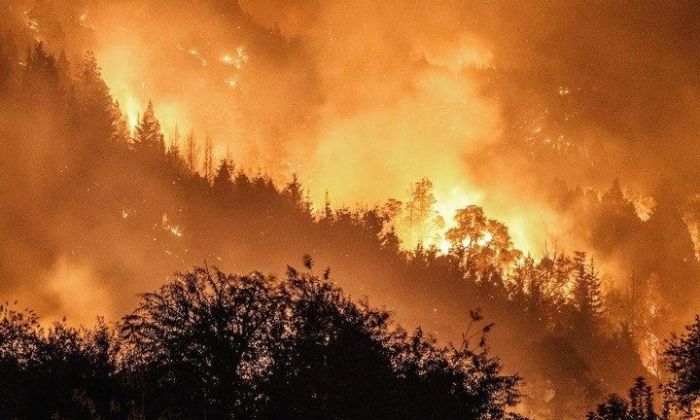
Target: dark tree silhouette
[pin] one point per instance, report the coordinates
(214, 345)
(148, 139)
(201, 340)
(638, 406)
(682, 359)
(59, 373)
(211, 344)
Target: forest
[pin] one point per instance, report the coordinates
(148, 275)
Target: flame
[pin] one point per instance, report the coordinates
(643, 206)
(176, 230)
(421, 125)
(649, 353)
(131, 108)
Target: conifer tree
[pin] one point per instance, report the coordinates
(682, 362)
(327, 215)
(294, 192)
(148, 138)
(191, 152)
(638, 406)
(92, 89)
(41, 76)
(208, 159)
(63, 66)
(174, 143)
(222, 180)
(587, 293)
(106, 122)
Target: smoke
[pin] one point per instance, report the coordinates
(361, 101)
(490, 100)
(609, 89)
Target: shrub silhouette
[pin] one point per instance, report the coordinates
(213, 345)
(210, 344)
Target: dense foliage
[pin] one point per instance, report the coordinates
(215, 345)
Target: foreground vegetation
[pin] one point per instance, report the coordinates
(212, 345)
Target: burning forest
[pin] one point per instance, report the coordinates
(349, 210)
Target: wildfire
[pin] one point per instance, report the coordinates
(649, 353)
(448, 201)
(643, 205)
(176, 230)
(432, 117)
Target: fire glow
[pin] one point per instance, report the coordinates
(440, 115)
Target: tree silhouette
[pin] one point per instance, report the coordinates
(222, 181)
(59, 373)
(420, 215)
(191, 152)
(202, 339)
(212, 345)
(294, 192)
(682, 359)
(586, 293)
(8, 58)
(148, 138)
(638, 406)
(208, 163)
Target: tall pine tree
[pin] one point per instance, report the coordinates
(148, 138)
(587, 293)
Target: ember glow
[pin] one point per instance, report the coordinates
(526, 147)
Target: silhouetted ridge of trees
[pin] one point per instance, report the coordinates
(214, 345)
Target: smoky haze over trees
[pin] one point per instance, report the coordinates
(95, 211)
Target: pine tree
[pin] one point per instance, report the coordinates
(148, 138)
(682, 362)
(327, 215)
(191, 152)
(222, 180)
(208, 159)
(40, 62)
(41, 77)
(63, 66)
(93, 91)
(641, 401)
(96, 104)
(294, 192)
(121, 132)
(174, 144)
(639, 405)
(587, 294)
